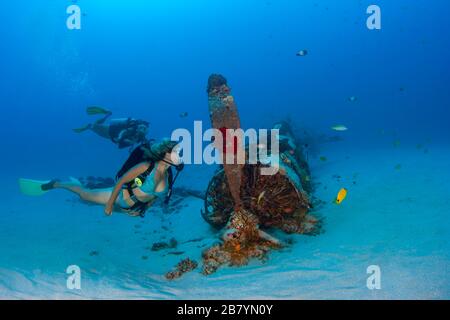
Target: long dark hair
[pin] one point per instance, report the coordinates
(158, 151)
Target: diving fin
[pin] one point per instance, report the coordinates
(35, 187)
(97, 110)
(79, 130)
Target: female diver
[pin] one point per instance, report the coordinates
(137, 187)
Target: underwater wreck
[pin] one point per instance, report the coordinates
(242, 202)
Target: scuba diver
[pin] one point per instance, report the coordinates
(125, 132)
(145, 177)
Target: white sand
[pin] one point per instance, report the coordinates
(397, 219)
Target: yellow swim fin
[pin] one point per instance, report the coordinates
(97, 110)
(32, 187)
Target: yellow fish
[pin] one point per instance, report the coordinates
(341, 196)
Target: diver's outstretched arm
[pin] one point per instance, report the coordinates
(127, 177)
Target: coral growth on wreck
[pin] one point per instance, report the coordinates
(274, 200)
(267, 202)
(181, 268)
(241, 242)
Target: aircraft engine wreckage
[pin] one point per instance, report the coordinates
(243, 202)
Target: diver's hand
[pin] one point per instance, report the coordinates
(108, 209)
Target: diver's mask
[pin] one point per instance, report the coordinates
(179, 166)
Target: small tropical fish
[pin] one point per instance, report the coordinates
(352, 99)
(261, 195)
(419, 146)
(302, 53)
(322, 158)
(396, 143)
(237, 247)
(183, 115)
(342, 194)
(339, 127)
(398, 167)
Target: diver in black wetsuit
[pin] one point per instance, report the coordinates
(125, 132)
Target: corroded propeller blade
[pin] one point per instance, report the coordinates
(224, 116)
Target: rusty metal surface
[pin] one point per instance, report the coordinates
(241, 199)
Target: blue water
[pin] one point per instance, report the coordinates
(151, 60)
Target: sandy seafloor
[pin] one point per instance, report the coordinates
(395, 218)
